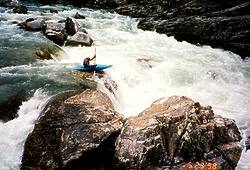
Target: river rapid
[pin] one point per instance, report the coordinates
(146, 67)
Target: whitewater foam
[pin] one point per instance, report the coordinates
(14, 133)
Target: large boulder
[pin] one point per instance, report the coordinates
(71, 26)
(57, 37)
(175, 132)
(55, 31)
(33, 24)
(75, 130)
(80, 38)
(54, 25)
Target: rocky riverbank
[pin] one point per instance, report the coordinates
(82, 130)
(66, 32)
(220, 24)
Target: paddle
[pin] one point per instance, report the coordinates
(95, 59)
(95, 55)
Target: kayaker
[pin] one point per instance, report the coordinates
(87, 60)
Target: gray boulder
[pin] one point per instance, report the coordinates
(72, 131)
(33, 24)
(80, 38)
(55, 32)
(175, 131)
(57, 37)
(54, 26)
(71, 26)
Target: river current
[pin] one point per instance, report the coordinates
(146, 67)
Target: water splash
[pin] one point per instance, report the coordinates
(14, 133)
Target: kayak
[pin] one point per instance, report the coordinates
(96, 67)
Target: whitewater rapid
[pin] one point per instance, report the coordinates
(15, 132)
(146, 67)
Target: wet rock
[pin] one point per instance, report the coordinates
(32, 24)
(248, 143)
(111, 85)
(146, 62)
(48, 53)
(20, 9)
(53, 11)
(8, 3)
(79, 16)
(247, 139)
(43, 53)
(73, 132)
(57, 37)
(14, 22)
(220, 24)
(79, 38)
(227, 33)
(55, 32)
(175, 131)
(54, 26)
(71, 26)
(10, 105)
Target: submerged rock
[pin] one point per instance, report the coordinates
(53, 11)
(79, 16)
(74, 130)
(20, 9)
(49, 52)
(175, 131)
(80, 38)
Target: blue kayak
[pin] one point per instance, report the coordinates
(96, 67)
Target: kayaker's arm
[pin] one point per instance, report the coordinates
(93, 58)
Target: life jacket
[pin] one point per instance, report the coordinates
(86, 61)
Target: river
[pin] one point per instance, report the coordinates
(146, 67)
